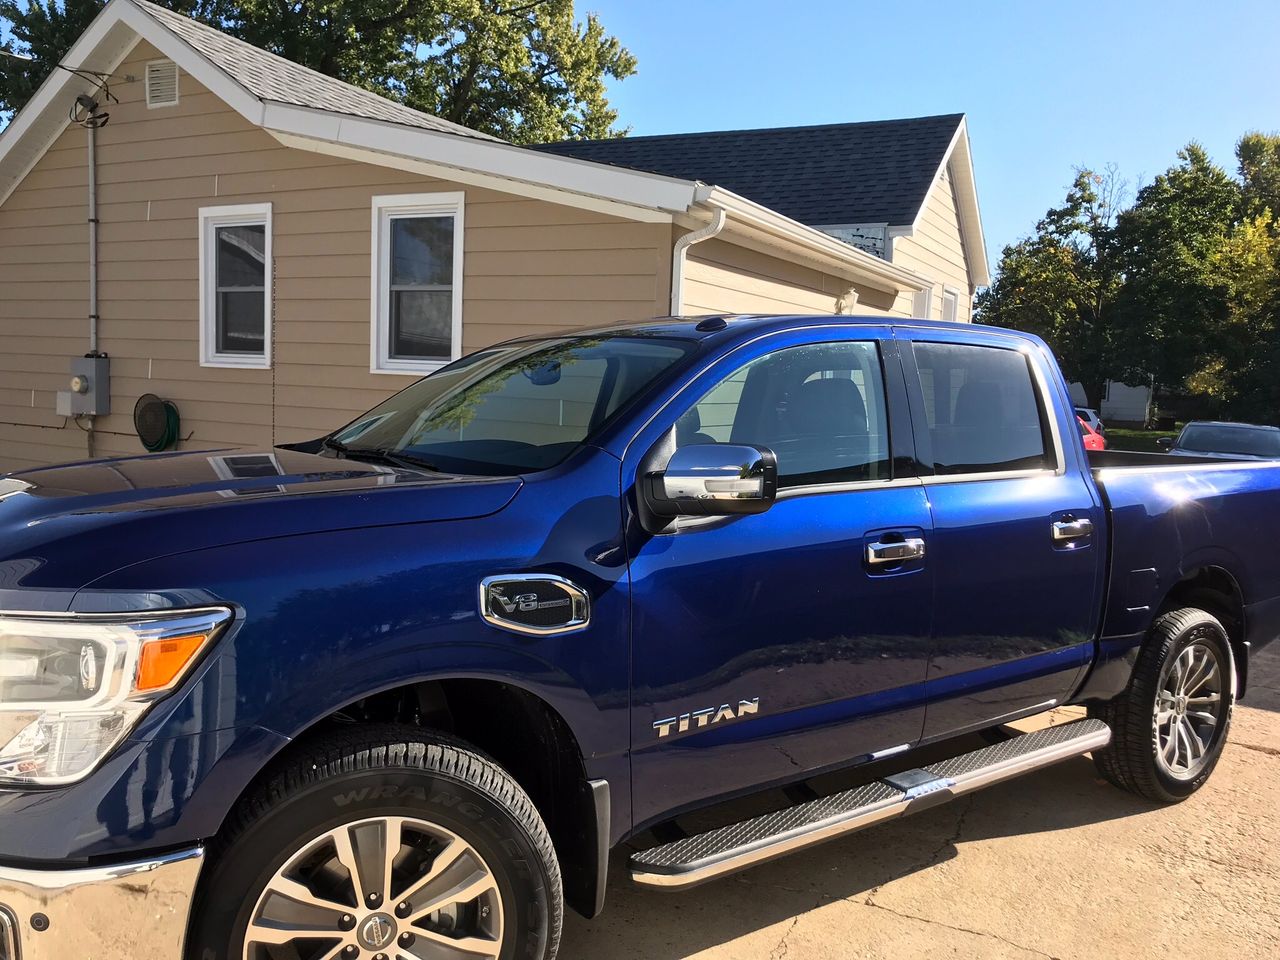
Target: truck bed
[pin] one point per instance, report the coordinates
(1171, 516)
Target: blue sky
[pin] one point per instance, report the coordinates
(1047, 85)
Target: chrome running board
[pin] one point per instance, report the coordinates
(706, 856)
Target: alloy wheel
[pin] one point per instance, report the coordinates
(1190, 700)
(385, 888)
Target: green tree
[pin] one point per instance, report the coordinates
(1259, 158)
(523, 70)
(1173, 292)
(1241, 365)
(1063, 281)
(36, 35)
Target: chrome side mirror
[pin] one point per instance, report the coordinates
(714, 479)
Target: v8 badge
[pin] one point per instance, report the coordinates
(540, 604)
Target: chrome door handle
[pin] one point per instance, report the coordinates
(911, 548)
(1072, 529)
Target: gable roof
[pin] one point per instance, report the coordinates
(272, 78)
(834, 174)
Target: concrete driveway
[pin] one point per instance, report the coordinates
(1056, 864)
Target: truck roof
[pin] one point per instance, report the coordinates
(706, 327)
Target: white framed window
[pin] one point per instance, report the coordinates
(235, 286)
(950, 304)
(417, 282)
(922, 303)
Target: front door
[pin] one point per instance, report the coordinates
(1016, 550)
(766, 647)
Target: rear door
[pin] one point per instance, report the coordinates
(1016, 550)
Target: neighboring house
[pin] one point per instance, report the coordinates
(1121, 403)
(278, 251)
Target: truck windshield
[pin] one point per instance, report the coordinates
(1220, 438)
(516, 408)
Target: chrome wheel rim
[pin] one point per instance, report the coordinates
(394, 888)
(1189, 710)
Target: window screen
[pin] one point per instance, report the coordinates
(819, 407)
(241, 283)
(421, 294)
(982, 408)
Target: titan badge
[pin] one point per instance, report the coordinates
(706, 717)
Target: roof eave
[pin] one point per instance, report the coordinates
(960, 160)
(795, 238)
(102, 47)
(490, 157)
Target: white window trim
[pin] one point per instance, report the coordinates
(950, 291)
(922, 302)
(248, 214)
(385, 209)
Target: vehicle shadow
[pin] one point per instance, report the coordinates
(1263, 692)
(640, 923)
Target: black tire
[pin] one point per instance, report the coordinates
(383, 771)
(1130, 761)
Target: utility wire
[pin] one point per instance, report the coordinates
(80, 113)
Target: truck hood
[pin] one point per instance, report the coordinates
(65, 526)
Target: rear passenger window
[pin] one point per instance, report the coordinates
(819, 407)
(983, 409)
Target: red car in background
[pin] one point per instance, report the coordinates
(1093, 440)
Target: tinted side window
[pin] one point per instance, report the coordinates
(819, 407)
(983, 409)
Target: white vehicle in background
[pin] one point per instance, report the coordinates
(1090, 416)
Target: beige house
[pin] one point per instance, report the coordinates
(275, 251)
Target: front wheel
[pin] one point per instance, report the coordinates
(1169, 727)
(377, 844)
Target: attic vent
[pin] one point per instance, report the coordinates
(162, 83)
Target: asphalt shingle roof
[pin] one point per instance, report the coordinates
(873, 172)
(273, 78)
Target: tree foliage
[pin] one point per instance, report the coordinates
(1173, 299)
(36, 35)
(1181, 289)
(1062, 283)
(1259, 156)
(523, 70)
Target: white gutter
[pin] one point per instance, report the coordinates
(678, 257)
(792, 237)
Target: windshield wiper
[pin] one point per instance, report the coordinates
(379, 455)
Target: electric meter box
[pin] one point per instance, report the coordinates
(90, 393)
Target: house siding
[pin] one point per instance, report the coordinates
(936, 252)
(721, 277)
(530, 266)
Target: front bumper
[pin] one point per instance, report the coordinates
(126, 911)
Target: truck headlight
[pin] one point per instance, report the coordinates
(72, 688)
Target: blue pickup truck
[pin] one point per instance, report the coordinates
(397, 692)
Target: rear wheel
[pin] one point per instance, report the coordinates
(1170, 725)
(383, 844)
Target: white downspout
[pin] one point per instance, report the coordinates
(93, 237)
(678, 254)
(91, 128)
